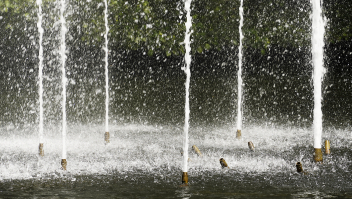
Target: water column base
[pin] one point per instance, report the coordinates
(238, 134)
(63, 164)
(107, 137)
(185, 178)
(318, 155)
(327, 147)
(41, 149)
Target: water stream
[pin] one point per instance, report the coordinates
(318, 64)
(106, 49)
(40, 56)
(187, 70)
(64, 79)
(239, 73)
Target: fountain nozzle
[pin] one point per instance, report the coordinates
(185, 178)
(63, 164)
(327, 147)
(41, 149)
(251, 146)
(195, 148)
(318, 155)
(238, 134)
(223, 163)
(107, 137)
(299, 167)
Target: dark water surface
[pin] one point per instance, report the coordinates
(202, 185)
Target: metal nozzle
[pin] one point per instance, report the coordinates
(223, 163)
(107, 137)
(184, 178)
(299, 167)
(195, 148)
(63, 164)
(238, 134)
(41, 149)
(318, 155)
(251, 146)
(327, 147)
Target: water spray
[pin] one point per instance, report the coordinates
(327, 147)
(239, 76)
(318, 64)
(187, 70)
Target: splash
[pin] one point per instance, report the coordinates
(64, 80)
(317, 56)
(106, 68)
(239, 73)
(41, 31)
(188, 79)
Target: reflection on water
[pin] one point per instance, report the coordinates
(145, 161)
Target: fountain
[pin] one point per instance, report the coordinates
(317, 57)
(187, 70)
(41, 111)
(64, 81)
(107, 135)
(239, 76)
(145, 109)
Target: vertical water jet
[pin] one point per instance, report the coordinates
(64, 80)
(107, 135)
(318, 72)
(239, 76)
(187, 70)
(41, 111)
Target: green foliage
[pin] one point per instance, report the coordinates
(159, 25)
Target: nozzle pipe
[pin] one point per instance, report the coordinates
(318, 155)
(41, 149)
(299, 167)
(107, 137)
(184, 178)
(223, 163)
(64, 164)
(195, 148)
(327, 147)
(251, 146)
(238, 134)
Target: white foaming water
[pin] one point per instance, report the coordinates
(318, 30)
(106, 68)
(156, 150)
(41, 31)
(188, 79)
(64, 80)
(239, 73)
